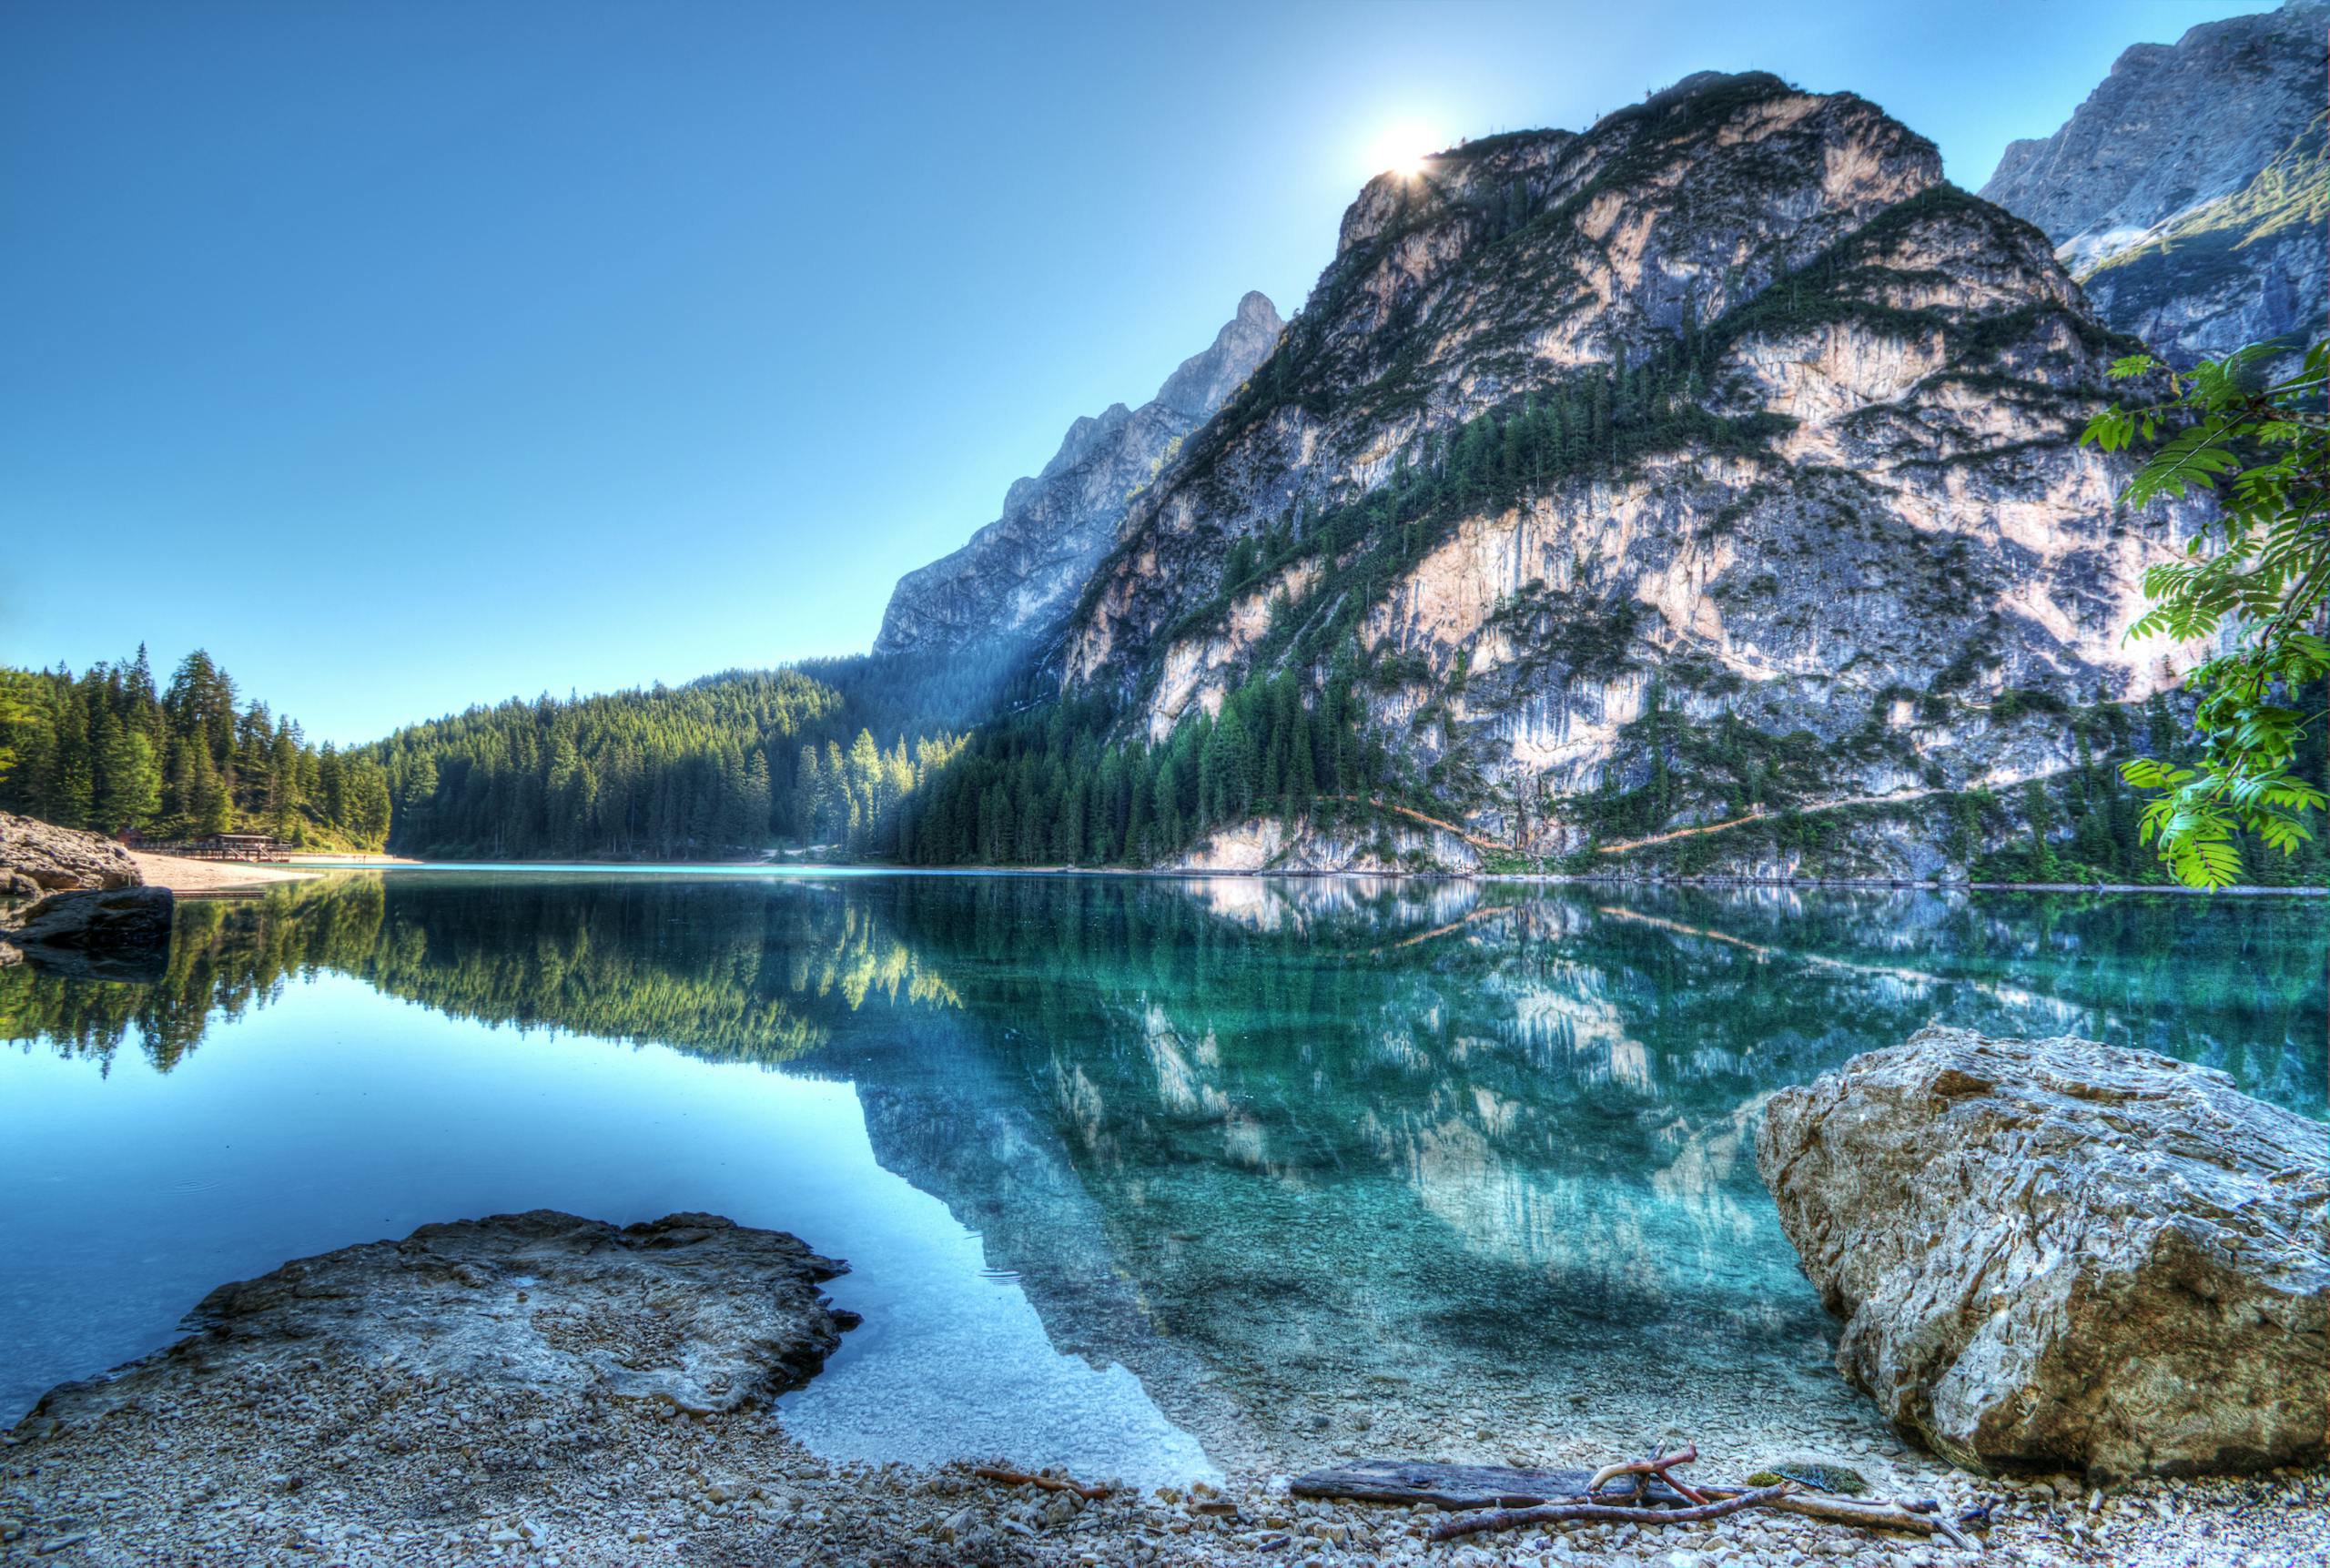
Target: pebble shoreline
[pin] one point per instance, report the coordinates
(277, 1475)
(547, 1390)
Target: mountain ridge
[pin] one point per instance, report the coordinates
(1010, 580)
(2188, 191)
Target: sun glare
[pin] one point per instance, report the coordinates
(1402, 149)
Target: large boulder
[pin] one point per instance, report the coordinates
(121, 934)
(2061, 1255)
(37, 857)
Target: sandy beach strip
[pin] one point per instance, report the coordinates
(211, 875)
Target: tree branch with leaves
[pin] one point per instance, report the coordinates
(2253, 582)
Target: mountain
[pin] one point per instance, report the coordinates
(2188, 193)
(1719, 461)
(1020, 573)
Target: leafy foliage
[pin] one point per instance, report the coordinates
(2256, 580)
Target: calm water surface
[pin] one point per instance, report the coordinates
(1147, 1177)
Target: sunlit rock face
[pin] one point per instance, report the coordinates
(1020, 573)
(2188, 192)
(1864, 519)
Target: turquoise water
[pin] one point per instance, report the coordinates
(1145, 1177)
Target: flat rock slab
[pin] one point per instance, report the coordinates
(2062, 1255)
(479, 1388)
(695, 1310)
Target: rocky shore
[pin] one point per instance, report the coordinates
(76, 903)
(545, 1389)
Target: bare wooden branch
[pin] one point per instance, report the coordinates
(1657, 1464)
(1048, 1483)
(1463, 1524)
(1875, 1514)
(1408, 1482)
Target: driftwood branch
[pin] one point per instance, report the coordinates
(1877, 1513)
(1455, 1486)
(1048, 1483)
(1461, 1524)
(1657, 1464)
(1503, 1497)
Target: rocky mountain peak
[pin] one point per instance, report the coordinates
(2172, 127)
(1727, 418)
(2188, 192)
(1204, 380)
(1015, 578)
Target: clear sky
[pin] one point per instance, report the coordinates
(414, 355)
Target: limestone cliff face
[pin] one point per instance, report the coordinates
(2188, 193)
(1826, 520)
(1020, 574)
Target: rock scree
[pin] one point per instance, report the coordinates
(2063, 1255)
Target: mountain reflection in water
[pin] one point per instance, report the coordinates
(1310, 1157)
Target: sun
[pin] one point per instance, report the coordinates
(1402, 149)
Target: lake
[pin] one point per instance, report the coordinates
(1148, 1177)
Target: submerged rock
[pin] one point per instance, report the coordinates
(2061, 1254)
(691, 1309)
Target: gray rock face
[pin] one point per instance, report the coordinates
(2060, 1254)
(39, 858)
(1020, 573)
(691, 1309)
(2188, 192)
(121, 934)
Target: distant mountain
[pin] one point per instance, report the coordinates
(2188, 193)
(1020, 573)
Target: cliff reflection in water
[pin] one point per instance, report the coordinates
(1281, 1147)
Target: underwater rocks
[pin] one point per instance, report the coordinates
(691, 1310)
(2063, 1255)
(496, 1370)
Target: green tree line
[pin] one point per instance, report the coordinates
(106, 752)
(728, 765)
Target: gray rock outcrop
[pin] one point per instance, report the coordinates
(1020, 573)
(37, 857)
(2060, 1254)
(119, 934)
(2188, 192)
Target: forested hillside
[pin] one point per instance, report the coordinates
(105, 751)
(823, 755)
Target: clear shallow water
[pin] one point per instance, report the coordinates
(1136, 1176)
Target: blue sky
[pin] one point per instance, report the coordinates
(409, 356)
